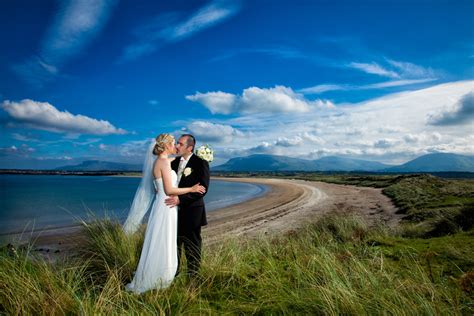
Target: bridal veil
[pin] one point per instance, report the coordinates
(144, 195)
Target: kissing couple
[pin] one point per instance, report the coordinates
(173, 190)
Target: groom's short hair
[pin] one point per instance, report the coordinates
(190, 140)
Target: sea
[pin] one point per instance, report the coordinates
(37, 202)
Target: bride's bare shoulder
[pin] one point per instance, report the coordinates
(162, 161)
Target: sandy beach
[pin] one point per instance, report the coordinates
(292, 203)
(287, 205)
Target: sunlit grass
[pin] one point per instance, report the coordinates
(335, 266)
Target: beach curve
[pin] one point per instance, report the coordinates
(289, 204)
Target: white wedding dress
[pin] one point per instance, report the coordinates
(159, 259)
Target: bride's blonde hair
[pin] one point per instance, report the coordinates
(161, 141)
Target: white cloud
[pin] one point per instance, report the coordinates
(75, 25)
(323, 88)
(134, 150)
(288, 142)
(44, 116)
(212, 132)
(225, 153)
(263, 148)
(312, 138)
(427, 138)
(374, 69)
(279, 99)
(459, 113)
(386, 84)
(410, 70)
(207, 16)
(171, 28)
(355, 131)
(397, 83)
(405, 73)
(410, 138)
(390, 129)
(216, 102)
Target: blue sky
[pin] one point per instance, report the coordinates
(380, 80)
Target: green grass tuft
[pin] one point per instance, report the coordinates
(335, 266)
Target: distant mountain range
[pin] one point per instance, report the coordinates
(97, 165)
(282, 163)
(439, 162)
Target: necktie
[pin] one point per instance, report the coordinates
(182, 164)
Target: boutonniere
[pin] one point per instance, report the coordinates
(187, 171)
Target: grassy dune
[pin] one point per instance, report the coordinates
(433, 206)
(335, 266)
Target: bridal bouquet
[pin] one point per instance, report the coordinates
(206, 153)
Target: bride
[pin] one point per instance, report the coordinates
(159, 259)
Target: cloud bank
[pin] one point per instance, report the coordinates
(391, 129)
(460, 113)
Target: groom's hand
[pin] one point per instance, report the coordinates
(172, 201)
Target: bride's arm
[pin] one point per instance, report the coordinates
(165, 169)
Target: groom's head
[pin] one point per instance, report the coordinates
(185, 145)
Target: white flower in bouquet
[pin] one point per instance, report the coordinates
(206, 153)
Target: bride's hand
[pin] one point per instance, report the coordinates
(197, 188)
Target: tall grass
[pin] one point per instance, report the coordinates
(109, 251)
(331, 267)
(31, 285)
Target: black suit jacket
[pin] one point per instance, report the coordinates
(192, 211)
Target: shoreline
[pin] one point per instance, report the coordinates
(286, 206)
(46, 237)
(264, 189)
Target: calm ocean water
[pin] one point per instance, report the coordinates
(29, 201)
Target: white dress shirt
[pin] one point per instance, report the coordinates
(182, 165)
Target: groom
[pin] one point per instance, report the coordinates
(191, 210)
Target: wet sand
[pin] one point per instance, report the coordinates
(287, 205)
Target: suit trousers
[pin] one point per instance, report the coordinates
(190, 241)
